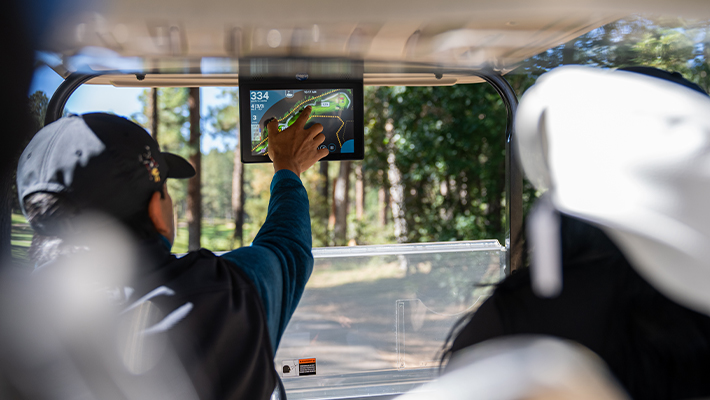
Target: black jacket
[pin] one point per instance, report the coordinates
(656, 348)
(214, 319)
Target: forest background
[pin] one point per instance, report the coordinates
(434, 156)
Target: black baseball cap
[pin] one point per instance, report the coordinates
(98, 161)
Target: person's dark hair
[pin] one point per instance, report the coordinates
(671, 76)
(52, 217)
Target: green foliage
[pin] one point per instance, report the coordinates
(20, 238)
(452, 162)
(38, 103)
(319, 206)
(225, 119)
(173, 132)
(666, 49)
(217, 184)
(216, 236)
(671, 44)
(257, 179)
(368, 231)
(449, 144)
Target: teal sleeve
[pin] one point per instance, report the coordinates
(279, 260)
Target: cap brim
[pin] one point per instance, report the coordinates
(178, 167)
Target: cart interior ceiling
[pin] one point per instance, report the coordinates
(405, 42)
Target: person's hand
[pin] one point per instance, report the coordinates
(296, 148)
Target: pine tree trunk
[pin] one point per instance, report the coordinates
(568, 53)
(324, 191)
(397, 195)
(341, 188)
(194, 195)
(383, 198)
(323, 188)
(396, 192)
(359, 192)
(154, 111)
(238, 197)
(398, 216)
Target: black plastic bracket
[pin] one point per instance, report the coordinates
(513, 175)
(55, 108)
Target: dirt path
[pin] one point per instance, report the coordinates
(357, 317)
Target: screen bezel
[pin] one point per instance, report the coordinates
(245, 86)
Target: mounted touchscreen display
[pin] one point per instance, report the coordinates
(337, 105)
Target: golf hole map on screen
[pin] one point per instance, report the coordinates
(332, 108)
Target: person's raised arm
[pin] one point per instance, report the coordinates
(279, 261)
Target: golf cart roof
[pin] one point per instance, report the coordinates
(414, 42)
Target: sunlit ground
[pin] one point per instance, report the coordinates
(216, 236)
(21, 236)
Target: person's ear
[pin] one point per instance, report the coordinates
(160, 211)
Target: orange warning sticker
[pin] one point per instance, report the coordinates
(306, 366)
(299, 367)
